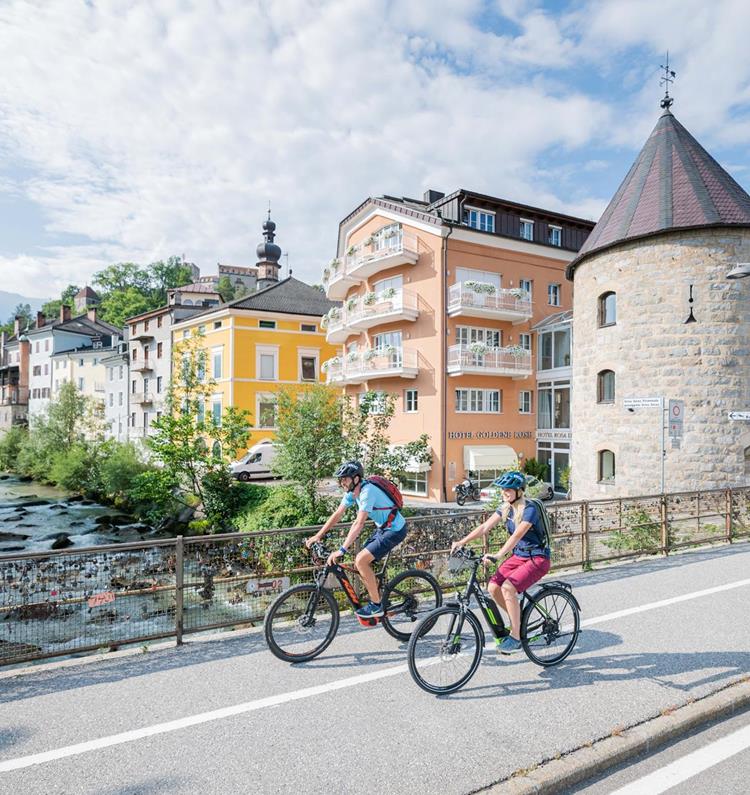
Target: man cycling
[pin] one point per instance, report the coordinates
(372, 503)
(530, 560)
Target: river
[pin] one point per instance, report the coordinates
(35, 518)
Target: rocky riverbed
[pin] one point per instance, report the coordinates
(35, 518)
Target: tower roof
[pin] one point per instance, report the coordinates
(673, 184)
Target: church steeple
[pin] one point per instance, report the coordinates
(269, 255)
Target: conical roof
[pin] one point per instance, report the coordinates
(673, 184)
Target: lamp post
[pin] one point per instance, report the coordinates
(739, 271)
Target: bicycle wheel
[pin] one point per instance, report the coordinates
(549, 626)
(460, 499)
(301, 623)
(407, 598)
(445, 650)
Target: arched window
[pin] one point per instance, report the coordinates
(605, 387)
(216, 451)
(606, 466)
(747, 461)
(607, 309)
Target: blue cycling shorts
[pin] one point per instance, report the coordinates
(382, 541)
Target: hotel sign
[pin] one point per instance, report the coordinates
(554, 434)
(490, 435)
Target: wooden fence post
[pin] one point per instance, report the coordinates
(664, 524)
(179, 572)
(729, 515)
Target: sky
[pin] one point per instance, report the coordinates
(132, 131)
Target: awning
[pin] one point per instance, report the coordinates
(489, 456)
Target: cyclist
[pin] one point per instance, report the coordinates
(529, 562)
(372, 503)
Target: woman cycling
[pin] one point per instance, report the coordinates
(530, 560)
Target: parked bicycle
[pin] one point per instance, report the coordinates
(446, 647)
(302, 621)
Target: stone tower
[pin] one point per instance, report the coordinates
(674, 229)
(269, 255)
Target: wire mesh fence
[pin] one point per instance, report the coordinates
(80, 600)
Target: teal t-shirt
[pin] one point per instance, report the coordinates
(377, 504)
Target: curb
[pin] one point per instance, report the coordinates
(555, 775)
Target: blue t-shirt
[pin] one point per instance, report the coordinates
(377, 504)
(533, 541)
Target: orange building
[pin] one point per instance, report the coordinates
(439, 300)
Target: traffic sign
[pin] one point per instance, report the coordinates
(642, 403)
(739, 415)
(676, 413)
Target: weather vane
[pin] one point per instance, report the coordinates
(668, 78)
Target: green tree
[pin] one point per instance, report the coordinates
(118, 305)
(121, 276)
(309, 439)
(22, 311)
(166, 275)
(189, 442)
(225, 288)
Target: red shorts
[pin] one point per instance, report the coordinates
(522, 572)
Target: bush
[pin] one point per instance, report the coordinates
(10, 446)
(35, 457)
(76, 469)
(152, 495)
(536, 468)
(641, 533)
(223, 499)
(118, 470)
(284, 507)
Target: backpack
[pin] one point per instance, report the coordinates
(545, 524)
(391, 490)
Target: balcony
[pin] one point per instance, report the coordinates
(477, 299)
(337, 280)
(14, 396)
(141, 366)
(144, 398)
(355, 368)
(477, 359)
(141, 336)
(372, 309)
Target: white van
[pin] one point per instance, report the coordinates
(256, 463)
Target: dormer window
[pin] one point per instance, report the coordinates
(479, 219)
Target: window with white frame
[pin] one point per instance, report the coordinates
(81, 384)
(308, 327)
(266, 324)
(217, 362)
(111, 399)
(483, 220)
(201, 411)
(553, 294)
(466, 335)
(394, 283)
(216, 410)
(414, 483)
(308, 365)
(411, 401)
(479, 401)
(388, 339)
(111, 371)
(526, 229)
(525, 401)
(119, 399)
(266, 411)
(475, 275)
(555, 235)
(159, 383)
(267, 363)
(528, 285)
(120, 374)
(524, 340)
(606, 466)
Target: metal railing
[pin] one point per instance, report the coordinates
(372, 363)
(14, 396)
(492, 361)
(79, 600)
(506, 302)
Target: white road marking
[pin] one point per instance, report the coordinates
(296, 695)
(689, 765)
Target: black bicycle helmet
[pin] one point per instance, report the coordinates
(350, 469)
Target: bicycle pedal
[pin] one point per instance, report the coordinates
(368, 622)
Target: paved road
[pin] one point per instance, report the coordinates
(695, 765)
(353, 721)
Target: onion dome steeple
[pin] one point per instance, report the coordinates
(269, 255)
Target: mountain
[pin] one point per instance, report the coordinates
(9, 301)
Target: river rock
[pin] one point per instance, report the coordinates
(32, 503)
(120, 520)
(77, 523)
(12, 549)
(62, 543)
(52, 536)
(13, 537)
(84, 501)
(24, 479)
(92, 530)
(4, 477)
(75, 498)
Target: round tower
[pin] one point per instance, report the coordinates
(654, 317)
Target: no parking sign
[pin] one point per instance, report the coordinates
(676, 415)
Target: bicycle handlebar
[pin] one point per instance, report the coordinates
(318, 550)
(469, 554)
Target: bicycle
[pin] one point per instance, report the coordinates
(301, 623)
(446, 647)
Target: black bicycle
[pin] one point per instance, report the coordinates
(446, 647)
(302, 621)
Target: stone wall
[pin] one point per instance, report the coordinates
(654, 353)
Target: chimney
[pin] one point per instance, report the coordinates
(39, 319)
(64, 313)
(431, 196)
(91, 314)
(17, 326)
(3, 340)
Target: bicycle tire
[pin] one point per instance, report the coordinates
(288, 631)
(436, 647)
(460, 499)
(412, 607)
(540, 626)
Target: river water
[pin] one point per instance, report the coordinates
(35, 518)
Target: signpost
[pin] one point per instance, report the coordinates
(739, 415)
(675, 414)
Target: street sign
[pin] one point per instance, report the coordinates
(676, 414)
(642, 403)
(739, 415)
(676, 442)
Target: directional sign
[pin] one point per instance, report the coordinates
(739, 415)
(642, 403)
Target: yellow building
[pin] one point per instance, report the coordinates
(260, 343)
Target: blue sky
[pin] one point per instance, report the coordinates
(134, 130)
